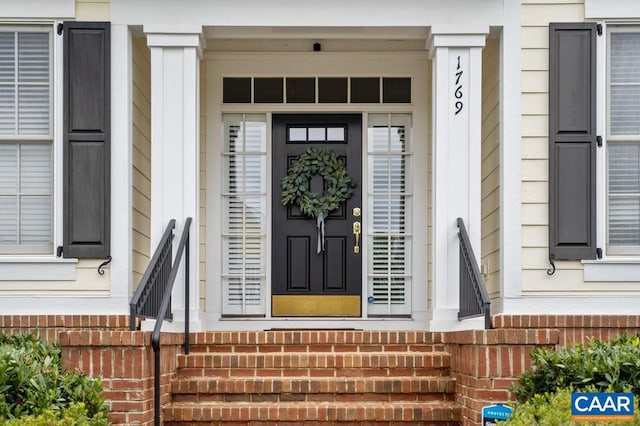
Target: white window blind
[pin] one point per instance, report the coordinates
(25, 83)
(244, 225)
(26, 158)
(389, 228)
(623, 144)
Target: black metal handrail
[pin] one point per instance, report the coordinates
(155, 336)
(148, 296)
(153, 297)
(474, 299)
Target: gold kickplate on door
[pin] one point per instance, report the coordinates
(315, 306)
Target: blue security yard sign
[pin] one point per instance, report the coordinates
(492, 413)
(602, 407)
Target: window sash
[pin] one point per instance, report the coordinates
(26, 140)
(26, 83)
(26, 198)
(623, 142)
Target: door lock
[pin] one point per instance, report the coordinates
(356, 234)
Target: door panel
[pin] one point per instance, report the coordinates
(305, 283)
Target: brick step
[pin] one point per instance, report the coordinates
(424, 413)
(314, 337)
(287, 389)
(315, 364)
(315, 347)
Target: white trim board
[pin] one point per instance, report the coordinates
(34, 269)
(314, 14)
(38, 9)
(611, 9)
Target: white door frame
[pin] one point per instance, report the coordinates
(406, 64)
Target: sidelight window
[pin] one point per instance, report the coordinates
(389, 226)
(244, 194)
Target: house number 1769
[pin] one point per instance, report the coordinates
(458, 92)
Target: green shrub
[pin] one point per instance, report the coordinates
(554, 409)
(75, 415)
(613, 365)
(35, 390)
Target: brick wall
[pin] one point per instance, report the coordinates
(125, 361)
(50, 326)
(102, 346)
(574, 328)
(485, 363)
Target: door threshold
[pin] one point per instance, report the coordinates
(314, 329)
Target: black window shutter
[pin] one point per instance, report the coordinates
(572, 141)
(87, 148)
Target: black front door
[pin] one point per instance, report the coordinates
(305, 282)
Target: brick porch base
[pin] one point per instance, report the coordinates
(483, 363)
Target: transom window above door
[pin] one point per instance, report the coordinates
(316, 90)
(316, 134)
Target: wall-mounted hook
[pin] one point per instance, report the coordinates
(551, 270)
(103, 264)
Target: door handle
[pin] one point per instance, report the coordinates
(356, 234)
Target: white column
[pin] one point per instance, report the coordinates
(456, 54)
(121, 172)
(175, 166)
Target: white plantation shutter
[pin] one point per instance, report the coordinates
(25, 193)
(8, 193)
(25, 83)
(624, 77)
(389, 233)
(624, 194)
(26, 159)
(623, 143)
(244, 226)
(7, 83)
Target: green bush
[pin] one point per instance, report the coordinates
(34, 390)
(600, 365)
(554, 409)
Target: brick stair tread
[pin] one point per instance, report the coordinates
(332, 347)
(313, 411)
(307, 337)
(315, 359)
(277, 384)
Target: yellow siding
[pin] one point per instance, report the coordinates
(536, 16)
(203, 185)
(141, 173)
(92, 10)
(490, 167)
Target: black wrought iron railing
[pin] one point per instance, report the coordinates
(160, 278)
(148, 296)
(474, 299)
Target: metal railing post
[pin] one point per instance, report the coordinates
(186, 296)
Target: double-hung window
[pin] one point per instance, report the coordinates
(623, 141)
(26, 140)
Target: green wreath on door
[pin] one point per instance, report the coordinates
(338, 186)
